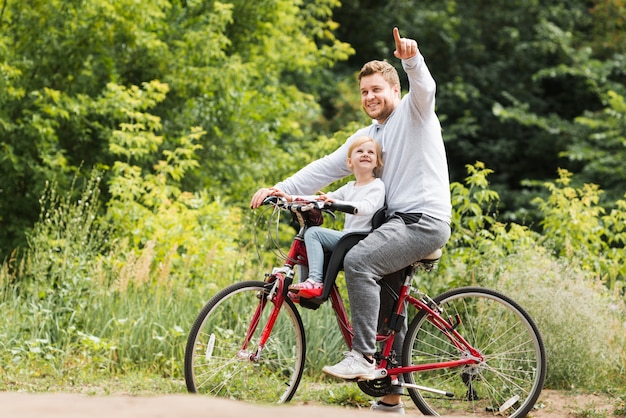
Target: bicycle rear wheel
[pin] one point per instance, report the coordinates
(218, 364)
(511, 377)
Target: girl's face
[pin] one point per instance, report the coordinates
(363, 157)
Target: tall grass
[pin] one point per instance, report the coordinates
(79, 301)
(325, 343)
(582, 323)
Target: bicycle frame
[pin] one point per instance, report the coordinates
(471, 355)
(297, 256)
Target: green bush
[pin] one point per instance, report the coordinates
(570, 278)
(576, 227)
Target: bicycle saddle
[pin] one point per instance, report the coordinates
(432, 257)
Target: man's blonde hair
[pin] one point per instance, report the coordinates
(383, 68)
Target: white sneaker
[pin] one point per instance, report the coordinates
(353, 366)
(394, 409)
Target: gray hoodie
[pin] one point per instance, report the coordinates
(415, 169)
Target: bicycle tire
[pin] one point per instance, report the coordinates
(510, 379)
(215, 364)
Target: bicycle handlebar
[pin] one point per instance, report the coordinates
(305, 205)
(342, 207)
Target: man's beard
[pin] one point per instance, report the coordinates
(381, 113)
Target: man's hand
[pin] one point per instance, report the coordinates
(405, 48)
(259, 197)
(261, 194)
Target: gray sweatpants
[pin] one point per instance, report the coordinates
(391, 247)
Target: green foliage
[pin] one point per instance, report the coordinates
(512, 84)
(45, 295)
(78, 299)
(555, 276)
(577, 228)
(347, 395)
(476, 232)
(609, 34)
(58, 57)
(63, 254)
(71, 72)
(603, 148)
(470, 205)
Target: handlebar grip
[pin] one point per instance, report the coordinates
(269, 200)
(343, 208)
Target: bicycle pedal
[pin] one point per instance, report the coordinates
(310, 303)
(378, 374)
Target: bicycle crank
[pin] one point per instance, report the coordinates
(377, 387)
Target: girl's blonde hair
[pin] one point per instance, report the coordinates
(379, 153)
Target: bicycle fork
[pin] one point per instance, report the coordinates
(275, 296)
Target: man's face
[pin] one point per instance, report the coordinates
(378, 97)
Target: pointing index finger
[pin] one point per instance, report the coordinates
(396, 37)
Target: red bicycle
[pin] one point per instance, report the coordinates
(473, 350)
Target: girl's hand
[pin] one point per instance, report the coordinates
(324, 198)
(280, 193)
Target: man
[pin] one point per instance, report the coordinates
(417, 186)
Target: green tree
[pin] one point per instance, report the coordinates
(229, 67)
(513, 77)
(600, 145)
(61, 56)
(241, 88)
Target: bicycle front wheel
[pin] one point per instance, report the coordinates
(509, 380)
(220, 362)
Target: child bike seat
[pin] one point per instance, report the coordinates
(334, 264)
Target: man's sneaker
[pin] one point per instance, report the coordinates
(378, 406)
(353, 366)
(308, 288)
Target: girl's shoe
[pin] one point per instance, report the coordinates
(307, 288)
(295, 298)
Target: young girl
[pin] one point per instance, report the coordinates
(366, 193)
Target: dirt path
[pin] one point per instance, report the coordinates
(551, 404)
